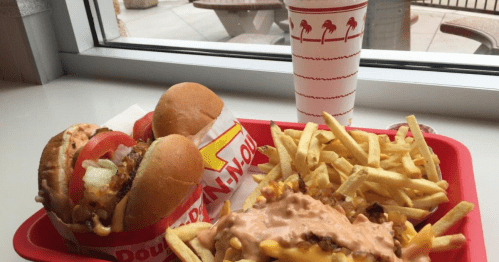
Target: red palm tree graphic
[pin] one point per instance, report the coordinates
(328, 25)
(351, 24)
(306, 27)
(291, 24)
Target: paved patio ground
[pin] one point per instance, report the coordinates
(179, 19)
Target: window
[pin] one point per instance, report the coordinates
(411, 81)
(390, 25)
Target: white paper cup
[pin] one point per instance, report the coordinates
(326, 40)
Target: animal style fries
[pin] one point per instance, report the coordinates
(401, 175)
(356, 172)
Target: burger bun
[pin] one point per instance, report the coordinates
(185, 109)
(55, 168)
(169, 173)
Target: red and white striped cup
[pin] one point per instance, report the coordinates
(326, 40)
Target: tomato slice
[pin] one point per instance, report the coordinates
(142, 129)
(102, 145)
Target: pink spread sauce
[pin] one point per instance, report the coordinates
(290, 219)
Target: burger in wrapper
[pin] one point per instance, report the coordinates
(112, 197)
(194, 111)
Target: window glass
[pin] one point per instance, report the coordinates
(402, 80)
(449, 26)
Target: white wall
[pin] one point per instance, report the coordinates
(28, 48)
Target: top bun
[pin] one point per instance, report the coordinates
(55, 168)
(185, 109)
(170, 171)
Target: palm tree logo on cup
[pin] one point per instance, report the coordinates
(291, 24)
(305, 27)
(352, 24)
(329, 27)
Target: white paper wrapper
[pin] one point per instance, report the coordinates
(227, 150)
(147, 244)
(125, 120)
(326, 40)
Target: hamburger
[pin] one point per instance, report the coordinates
(188, 109)
(102, 181)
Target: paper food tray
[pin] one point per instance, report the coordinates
(36, 239)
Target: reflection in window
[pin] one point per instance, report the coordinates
(418, 25)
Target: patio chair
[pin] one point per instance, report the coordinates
(481, 29)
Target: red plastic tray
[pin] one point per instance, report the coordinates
(36, 239)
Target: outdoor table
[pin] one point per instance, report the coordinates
(243, 16)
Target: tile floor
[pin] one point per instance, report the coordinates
(179, 19)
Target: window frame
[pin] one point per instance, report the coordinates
(415, 89)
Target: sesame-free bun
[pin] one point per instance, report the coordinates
(55, 168)
(169, 173)
(185, 109)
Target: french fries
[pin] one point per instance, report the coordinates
(258, 178)
(303, 146)
(374, 153)
(325, 136)
(270, 152)
(423, 148)
(452, 217)
(399, 171)
(423, 239)
(194, 252)
(314, 151)
(190, 231)
(350, 186)
(446, 243)
(314, 253)
(273, 175)
(203, 253)
(289, 144)
(414, 213)
(179, 247)
(235, 243)
(339, 131)
(429, 201)
(402, 176)
(265, 168)
(284, 157)
(225, 208)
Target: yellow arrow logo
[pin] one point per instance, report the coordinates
(211, 150)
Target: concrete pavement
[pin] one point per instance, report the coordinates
(179, 19)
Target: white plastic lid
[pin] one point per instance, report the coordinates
(321, 3)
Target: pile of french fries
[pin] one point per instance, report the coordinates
(401, 175)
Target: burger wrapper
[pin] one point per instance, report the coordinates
(227, 151)
(147, 244)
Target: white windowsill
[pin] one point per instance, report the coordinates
(466, 95)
